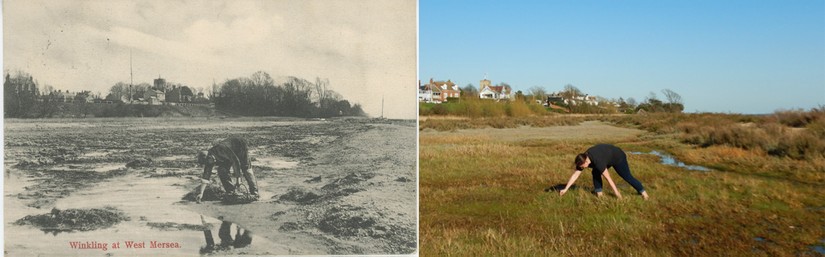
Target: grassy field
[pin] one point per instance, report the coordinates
(482, 193)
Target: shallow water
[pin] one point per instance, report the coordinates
(85, 167)
(274, 163)
(176, 158)
(819, 248)
(144, 200)
(667, 159)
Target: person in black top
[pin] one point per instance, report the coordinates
(601, 157)
(229, 153)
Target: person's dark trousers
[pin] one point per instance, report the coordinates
(226, 179)
(624, 171)
(597, 180)
(225, 233)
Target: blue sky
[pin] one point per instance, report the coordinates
(720, 56)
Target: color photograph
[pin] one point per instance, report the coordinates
(622, 128)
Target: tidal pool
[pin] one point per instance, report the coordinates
(667, 159)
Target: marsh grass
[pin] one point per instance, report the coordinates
(483, 197)
(499, 122)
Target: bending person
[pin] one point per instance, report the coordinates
(599, 158)
(229, 153)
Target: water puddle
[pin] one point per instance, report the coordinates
(819, 248)
(95, 154)
(175, 158)
(159, 223)
(85, 167)
(667, 159)
(230, 236)
(275, 163)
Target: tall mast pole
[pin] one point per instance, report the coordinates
(131, 76)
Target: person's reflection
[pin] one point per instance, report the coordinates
(224, 234)
(242, 238)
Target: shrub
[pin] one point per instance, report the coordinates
(517, 109)
(799, 118)
(439, 109)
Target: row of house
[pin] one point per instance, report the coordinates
(557, 98)
(440, 91)
(161, 93)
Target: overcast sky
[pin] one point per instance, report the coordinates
(367, 49)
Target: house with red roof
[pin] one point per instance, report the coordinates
(438, 91)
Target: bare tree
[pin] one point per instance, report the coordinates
(538, 93)
(118, 90)
(322, 90)
(672, 97)
(469, 90)
(651, 97)
(631, 102)
(261, 78)
(571, 91)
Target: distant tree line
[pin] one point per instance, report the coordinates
(22, 98)
(653, 104)
(259, 95)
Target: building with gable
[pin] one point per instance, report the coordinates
(487, 91)
(438, 91)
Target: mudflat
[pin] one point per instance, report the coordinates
(341, 186)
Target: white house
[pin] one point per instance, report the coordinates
(424, 93)
(487, 91)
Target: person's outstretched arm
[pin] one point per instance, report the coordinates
(571, 181)
(612, 185)
(207, 172)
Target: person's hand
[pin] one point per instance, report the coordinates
(562, 192)
(201, 189)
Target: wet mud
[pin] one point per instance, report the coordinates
(72, 220)
(327, 187)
